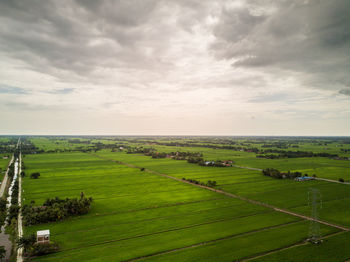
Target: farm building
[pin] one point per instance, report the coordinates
(304, 178)
(43, 236)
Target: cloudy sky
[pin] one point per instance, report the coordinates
(164, 67)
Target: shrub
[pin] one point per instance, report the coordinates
(13, 212)
(43, 249)
(26, 242)
(35, 175)
(2, 252)
(3, 203)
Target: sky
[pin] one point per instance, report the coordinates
(175, 67)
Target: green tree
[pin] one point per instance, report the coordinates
(35, 175)
(2, 252)
(26, 242)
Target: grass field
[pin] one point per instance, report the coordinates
(144, 215)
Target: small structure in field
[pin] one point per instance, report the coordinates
(43, 236)
(304, 178)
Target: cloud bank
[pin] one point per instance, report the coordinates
(175, 67)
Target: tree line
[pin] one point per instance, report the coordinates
(194, 181)
(292, 154)
(272, 172)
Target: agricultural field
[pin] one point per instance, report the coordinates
(4, 160)
(144, 209)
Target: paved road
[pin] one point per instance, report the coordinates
(4, 181)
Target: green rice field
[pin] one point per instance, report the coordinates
(153, 215)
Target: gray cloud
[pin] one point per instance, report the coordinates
(307, 38)
(81, 36)
(345, 92)
(63, 91)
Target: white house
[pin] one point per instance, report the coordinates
(43, 236)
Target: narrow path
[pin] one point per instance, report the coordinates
(250, 168)
(333, 181)
(234, 196)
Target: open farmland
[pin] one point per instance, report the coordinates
(154, 215)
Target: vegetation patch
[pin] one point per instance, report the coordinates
(55, 209)
(271, 172)
(193, 181)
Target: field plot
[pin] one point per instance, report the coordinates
(137, 214)
(335, 249)
(3, 165)
(321, 166)
(286, 193)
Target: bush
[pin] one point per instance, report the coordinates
(13, 213)
(142, 169)
(55, 209)
(31, 248)
(2, 252)
(3, 203)
(44, 249)
(341, 180)
(26, 242)
(35, 175)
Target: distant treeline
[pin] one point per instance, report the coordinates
(191, 157)
(271, 172)
(292, 154)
